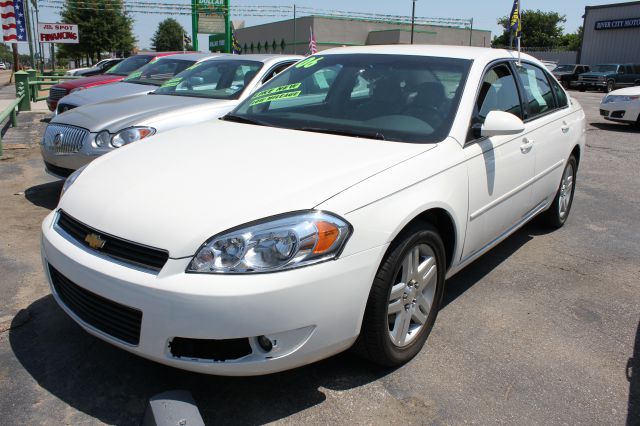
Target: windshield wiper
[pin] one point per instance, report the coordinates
(345, 132)
(244, 120)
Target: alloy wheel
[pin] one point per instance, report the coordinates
(566, 190)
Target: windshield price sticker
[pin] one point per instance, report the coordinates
(309, 62)
(134, 75)
(277, 97)
(278, 89)
(173, 82)
(194, 66)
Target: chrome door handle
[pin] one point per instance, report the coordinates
(526, 146)
(565, 127)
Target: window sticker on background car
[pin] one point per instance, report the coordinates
(309, 62)
(278, 89)
(278, 97)
(173, 82)
(133, 75)
(194, 66)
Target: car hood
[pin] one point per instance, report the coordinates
(561, 72)
(106, 92)
(119, 113)
(627, 91)
(175, 190)
(95, 80)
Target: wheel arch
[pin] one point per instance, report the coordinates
(576, 152)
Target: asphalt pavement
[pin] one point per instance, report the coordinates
(543, 330)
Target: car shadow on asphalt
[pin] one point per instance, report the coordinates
(617, 127)
(45, 195)
(633, 375)
(113, 386)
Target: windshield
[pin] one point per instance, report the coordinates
(604, 68)
(564, 68)
(215, 79)
(159, 71)
(130, 64)
(392, 97)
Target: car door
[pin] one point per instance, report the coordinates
(500, 168)
(550, 127)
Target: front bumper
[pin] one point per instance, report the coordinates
(592, 84)
(314, 312)
(626, 112)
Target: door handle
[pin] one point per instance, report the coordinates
(565, 127)
(526, 146)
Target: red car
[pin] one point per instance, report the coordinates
(114, 75)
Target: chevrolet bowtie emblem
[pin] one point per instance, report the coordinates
(94, 241)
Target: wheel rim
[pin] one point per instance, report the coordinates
(610, 87)
(412, 295)
(566, 190)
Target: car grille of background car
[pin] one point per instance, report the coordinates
(64, 139)
(57, 93)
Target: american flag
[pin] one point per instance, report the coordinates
(313, 46)
(14, 28)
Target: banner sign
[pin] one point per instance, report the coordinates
(14, 29)
(617, 24)
(211, 16)
(58, 33)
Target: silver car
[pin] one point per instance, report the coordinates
(205, 91)
(145, 80)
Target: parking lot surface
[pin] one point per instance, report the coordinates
(542, 330)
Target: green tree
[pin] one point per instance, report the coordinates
(169, 36)
(104, 27)
(539, 29)
(573, 41)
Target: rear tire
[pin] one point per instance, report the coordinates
(405, 298)
(558, 212)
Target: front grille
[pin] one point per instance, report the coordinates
(114, 319)
(57, 170)
(62, 139)
(118, 248)
(589, 79)
(64, 107)
(56, 93)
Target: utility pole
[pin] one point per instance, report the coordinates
(194, 24)
(413, 19)
(39, 45)
(471, 34)
(295, 36)
(29, 35)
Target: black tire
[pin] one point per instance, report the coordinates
(374, 342)
(553, 216)
(610, 87)
(582, 89)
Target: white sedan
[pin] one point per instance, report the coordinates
(325, 212)
(622, 105)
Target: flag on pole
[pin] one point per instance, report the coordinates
(515, 23)
(313, 46)
(236, 49)
(186, 40)
(14, 27)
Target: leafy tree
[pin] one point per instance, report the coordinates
(169, 36)
(104, 27)
(539, 29)
(573, 41)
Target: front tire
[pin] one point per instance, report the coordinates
(611, 85)
(557, 214)
(405, 298)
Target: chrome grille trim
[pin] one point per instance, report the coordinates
(56, 93)
(62, 139)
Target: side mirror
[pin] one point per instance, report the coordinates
(500, 123)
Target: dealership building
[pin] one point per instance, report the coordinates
(611, 34)
(278, 37)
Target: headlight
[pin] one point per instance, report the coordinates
(77, 89)
(618, 98)
(131, 135)
(277, 244)
(71, 179)
(103, 139)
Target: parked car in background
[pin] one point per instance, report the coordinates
(327, 210)
(113, 75)
(99, 68)
(608, 77)
(550, 65)
(622, 105)
(73, 71)
(567, 74)
(145, 80)
(206, 91)
(3, 66)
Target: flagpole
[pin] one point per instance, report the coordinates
(520, 28)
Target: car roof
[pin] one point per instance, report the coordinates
(260, 58)
(445, 51)
(194, 56)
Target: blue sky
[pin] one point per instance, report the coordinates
(485, 13)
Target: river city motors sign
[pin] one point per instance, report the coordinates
(58, 33)
(617, 24)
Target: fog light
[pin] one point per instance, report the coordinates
(265, 343)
